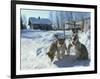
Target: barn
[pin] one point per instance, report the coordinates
(40, 23)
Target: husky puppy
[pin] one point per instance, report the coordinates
(81, 50)
(57, 48)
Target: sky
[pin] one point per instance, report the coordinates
(35, 13)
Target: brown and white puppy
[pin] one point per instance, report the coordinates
(61, 48)
(58, 47)
(81, 50)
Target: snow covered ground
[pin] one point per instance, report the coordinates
(35, 45)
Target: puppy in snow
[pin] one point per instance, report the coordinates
(81, 50)
(57, 48)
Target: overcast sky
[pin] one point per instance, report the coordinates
(35, 13)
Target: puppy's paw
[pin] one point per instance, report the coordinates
(50, 56)
(68, 55)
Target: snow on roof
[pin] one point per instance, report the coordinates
(34, 20)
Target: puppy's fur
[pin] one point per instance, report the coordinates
(81, 49)
(58, 46)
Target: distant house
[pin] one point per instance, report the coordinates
(82, 25)
(70, 26)
(40, 23)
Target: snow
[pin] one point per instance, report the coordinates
(35, 44)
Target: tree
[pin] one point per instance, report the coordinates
(57, 20)
(21, 23)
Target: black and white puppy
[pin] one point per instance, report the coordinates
(81, 50)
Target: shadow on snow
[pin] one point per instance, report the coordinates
(70, 61)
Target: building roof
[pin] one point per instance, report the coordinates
(34, 20)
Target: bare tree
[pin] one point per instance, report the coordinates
(24, 22)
